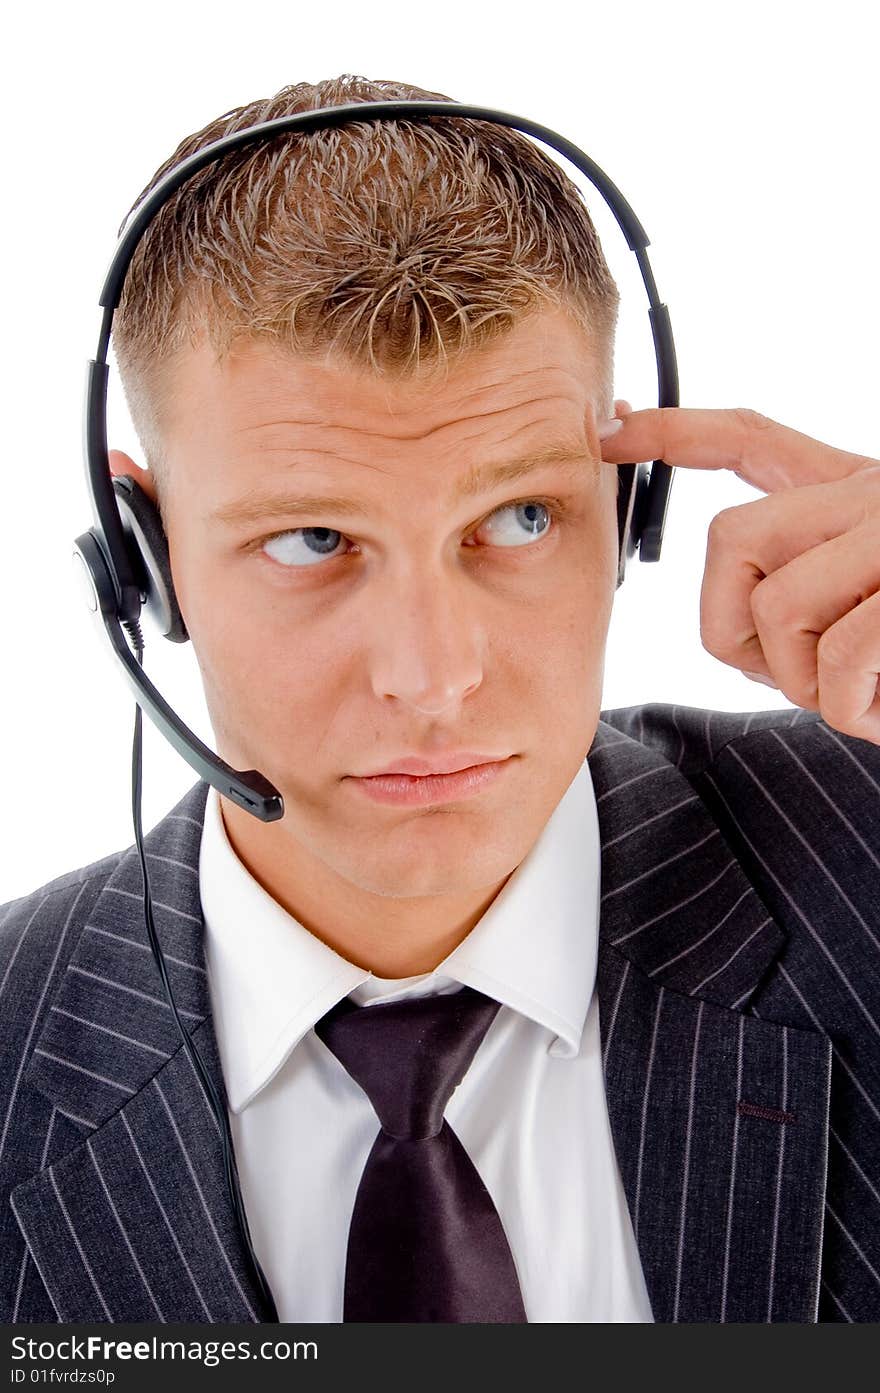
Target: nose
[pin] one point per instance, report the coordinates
(428, 645)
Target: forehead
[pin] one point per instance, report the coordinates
(544, 368)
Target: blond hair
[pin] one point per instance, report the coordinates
(398, 245)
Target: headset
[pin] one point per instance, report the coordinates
(123, 561)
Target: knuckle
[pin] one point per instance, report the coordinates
(772, 604)
(865, 484)
(866, 470)
(750, 419)
(834, 651)
(725, 526)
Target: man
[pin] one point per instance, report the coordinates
(372, 375)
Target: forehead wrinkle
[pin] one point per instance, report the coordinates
(326, 427)
(297, 469)
(477, 416)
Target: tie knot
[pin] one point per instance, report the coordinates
(409, 1056)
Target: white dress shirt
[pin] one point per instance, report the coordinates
(530, 1111)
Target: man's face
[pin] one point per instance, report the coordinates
(429, 620)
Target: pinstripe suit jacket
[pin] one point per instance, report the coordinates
(739, 995)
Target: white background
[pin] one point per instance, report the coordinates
(745, 140)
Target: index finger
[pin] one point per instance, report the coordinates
(760, 451)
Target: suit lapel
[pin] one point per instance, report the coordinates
(135, 1222)
(719, 1119)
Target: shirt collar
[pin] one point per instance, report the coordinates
(534, 949)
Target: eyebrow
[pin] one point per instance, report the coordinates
(480, 479)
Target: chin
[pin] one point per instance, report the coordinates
(412, 872)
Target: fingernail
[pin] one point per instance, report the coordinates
(607, 428)
(759, 677)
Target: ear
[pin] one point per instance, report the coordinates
(120, 463)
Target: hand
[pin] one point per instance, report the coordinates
(791, 586)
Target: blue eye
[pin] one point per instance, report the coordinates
(303, 545)
(533, 517)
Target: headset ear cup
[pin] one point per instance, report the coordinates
(148, 545)
(626, 492)
(632, 493)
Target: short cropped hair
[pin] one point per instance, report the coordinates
(399, 246)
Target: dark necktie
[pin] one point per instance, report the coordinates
(426, 1242)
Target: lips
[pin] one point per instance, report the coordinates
(449, 763)
(404, 790)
